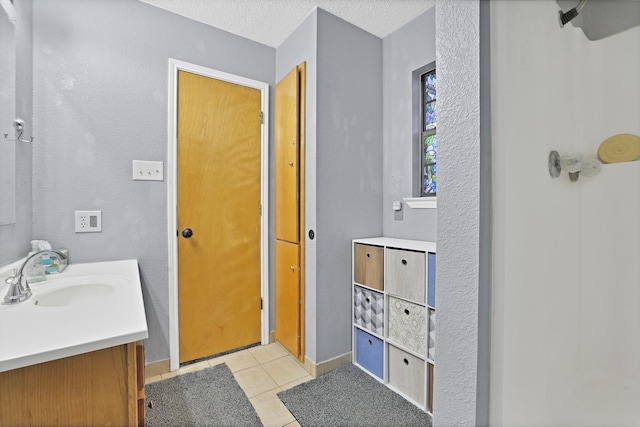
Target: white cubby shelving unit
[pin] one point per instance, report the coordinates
(393, 314)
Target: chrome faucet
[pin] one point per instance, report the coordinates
(18, 293)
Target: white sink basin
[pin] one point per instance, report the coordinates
(80, 290)
(74, 294)
(87, 307)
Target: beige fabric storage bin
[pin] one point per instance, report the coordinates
(369, 266)
(407, 374)
(406, 274)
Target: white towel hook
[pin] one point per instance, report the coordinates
(18, 125)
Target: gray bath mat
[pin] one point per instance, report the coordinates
(210, 397)
(350, 397)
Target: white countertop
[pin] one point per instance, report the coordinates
(31, 334)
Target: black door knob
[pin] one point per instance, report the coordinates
(186, 233)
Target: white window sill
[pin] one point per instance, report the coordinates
(421, 202)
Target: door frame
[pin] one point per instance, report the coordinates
(172, 197)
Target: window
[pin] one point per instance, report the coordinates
(424, 138)
(428, 140)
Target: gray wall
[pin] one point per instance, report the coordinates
(343, 163)
(14, 239)
(100, 101)
(408, 48)
(459, 398)
(348, 164)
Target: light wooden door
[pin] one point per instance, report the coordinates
(287, 158)
(219, 143)
(289, 213)
(287, 298)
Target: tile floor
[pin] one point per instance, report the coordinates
(261, 371)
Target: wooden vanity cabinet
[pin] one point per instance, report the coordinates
(140, 380)
(103, 387)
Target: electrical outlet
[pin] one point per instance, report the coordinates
(88, 221)
(397, 211)
(148, 171)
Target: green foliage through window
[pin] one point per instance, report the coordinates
(429, 139)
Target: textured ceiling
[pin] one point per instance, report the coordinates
(270, 21)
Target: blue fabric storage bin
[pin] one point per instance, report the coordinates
(369, 353)
(431, 281)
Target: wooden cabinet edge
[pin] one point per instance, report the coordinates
(140, 402)
(66, 390)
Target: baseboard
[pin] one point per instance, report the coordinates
(154, 369)
(160, 367)
(322, 368)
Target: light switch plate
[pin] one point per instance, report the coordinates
(88, 221)
(144, 170)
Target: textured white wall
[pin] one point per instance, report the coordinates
(458, 268)
(565, 295)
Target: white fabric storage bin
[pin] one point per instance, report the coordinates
(431, 344)
(407, 325)
(407, 375)
(406, 274)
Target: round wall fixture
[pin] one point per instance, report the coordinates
(624, 147)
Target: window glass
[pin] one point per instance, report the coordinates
(429, 144)
(429, 173)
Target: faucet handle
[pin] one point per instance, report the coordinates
(10, 279)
